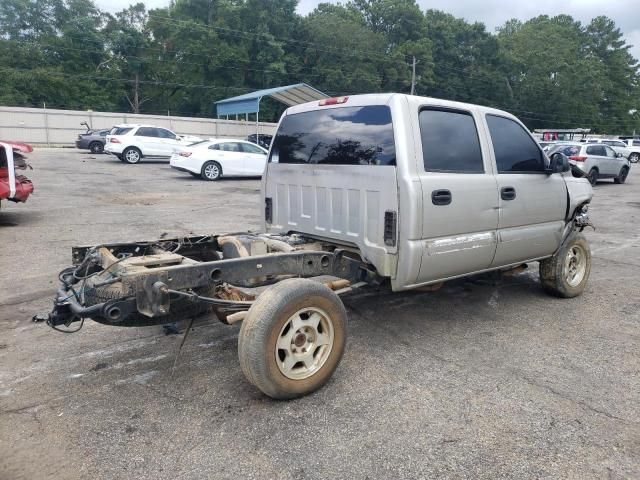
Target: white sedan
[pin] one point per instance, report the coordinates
(211, 159)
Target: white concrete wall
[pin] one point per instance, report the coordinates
(39, 126)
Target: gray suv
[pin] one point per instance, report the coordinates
(93, 140)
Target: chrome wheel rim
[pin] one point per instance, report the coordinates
(304, 343)
(132, 156)
(575, 265)
(211, 171)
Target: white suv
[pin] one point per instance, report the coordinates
(626, 148)
(130, 143)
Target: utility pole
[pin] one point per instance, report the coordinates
(413, 75)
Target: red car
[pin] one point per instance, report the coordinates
(14, 187)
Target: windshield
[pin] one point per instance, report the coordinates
(336, 136)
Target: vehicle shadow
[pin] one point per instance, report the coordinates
(15, 219)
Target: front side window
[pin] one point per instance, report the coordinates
(336, 136)
(515, 150)
(450, 142)
(162, 133)
(609, 152)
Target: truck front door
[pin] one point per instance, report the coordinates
(533, 203)
(459, 195)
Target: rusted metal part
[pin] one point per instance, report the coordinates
(434, 287)
(229, 292)
(338, 284)
(235, 270)
(514, 271)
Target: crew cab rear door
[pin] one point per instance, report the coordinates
(459, 194)
(533, 203)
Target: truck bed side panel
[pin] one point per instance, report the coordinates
(340, 202)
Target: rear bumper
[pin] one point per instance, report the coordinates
(113, 148)
(184, 165)
(180, 169)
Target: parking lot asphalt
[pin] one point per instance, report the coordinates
(486, 378)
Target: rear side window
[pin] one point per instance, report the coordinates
(120, 130)
(450, 142)
(230, 147)
(336, 136)
(597, 150)
(515, 150)
(568, 150)
(247, 148)
(147, 132)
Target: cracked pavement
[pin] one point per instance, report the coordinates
(486, 378)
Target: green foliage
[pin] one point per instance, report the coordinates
(550, 71)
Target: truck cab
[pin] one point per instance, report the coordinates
(425, 189)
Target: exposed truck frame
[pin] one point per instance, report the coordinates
(381, 227)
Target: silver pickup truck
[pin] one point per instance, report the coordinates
(383, 189)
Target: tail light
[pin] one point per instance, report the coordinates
(333, 101)
(390, 228)
(185, 154)
(114, 140)
(268, 210)
(577, 158)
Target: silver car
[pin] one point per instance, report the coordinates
(596, 160)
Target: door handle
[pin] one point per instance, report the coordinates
(441, 197)
(508, 193)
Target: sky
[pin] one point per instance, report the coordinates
(493, 13)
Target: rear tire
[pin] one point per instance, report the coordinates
(292, 338)
(566, 274)
(634, 157)
(622, 177)
(593, 176)
(96, 147)
(132, 155)
(211, 171)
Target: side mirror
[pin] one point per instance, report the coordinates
(559, 163)
(619, 155)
